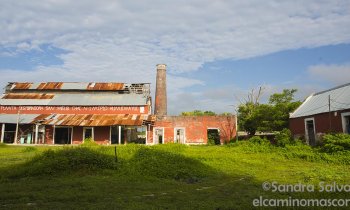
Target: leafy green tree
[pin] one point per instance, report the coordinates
(283, 104)
(273, 116)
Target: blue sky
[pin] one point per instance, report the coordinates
(216, 51)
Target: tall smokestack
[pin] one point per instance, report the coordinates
(160, 107)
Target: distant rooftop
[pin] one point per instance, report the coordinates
(319, 102)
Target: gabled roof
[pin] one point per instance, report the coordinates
(319, 102)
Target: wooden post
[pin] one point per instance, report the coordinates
(120, 135)
(17, 125)
(36, 133)
(2, 132)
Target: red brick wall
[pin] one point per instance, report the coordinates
(297, 125)
(48, 134)
(77, 135)
(195, 128)
(102, 134)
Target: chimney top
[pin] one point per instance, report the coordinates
(161, 66)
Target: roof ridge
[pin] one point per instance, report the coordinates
(340, 86)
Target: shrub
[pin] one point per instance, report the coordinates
(30, 149)
(258, 140)
(336, 142)
(283, 138)
(88, 142)
(66, 160)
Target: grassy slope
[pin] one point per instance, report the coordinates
(160, 177)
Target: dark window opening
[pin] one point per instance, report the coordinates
(88, 133)
(63, 135)
(213, 136)
(347, 124)
(311, 132)
(115, 135)
(9, 134)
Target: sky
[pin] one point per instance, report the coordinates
(215, 51)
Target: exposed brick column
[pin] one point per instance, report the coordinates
(160, 107)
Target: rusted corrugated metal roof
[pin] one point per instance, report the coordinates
(105, 86)
(50, 86)
(21, 85)
(94, 120)
(28, 96)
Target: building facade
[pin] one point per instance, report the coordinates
(324, 112)
(108, 113)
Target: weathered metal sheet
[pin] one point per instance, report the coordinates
(28, 96)
(74, 86)
(105, 86)
(83, 99)
(91, 99)
(22, 119)
(24, 102)
(94, 120)
(21, 85)
(50, 86)
(319, 102)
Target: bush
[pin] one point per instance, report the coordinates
(67, 160)
(258, 140)
(88, 142)
(336, 142)
(283, 138)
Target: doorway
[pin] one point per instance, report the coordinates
(310, 131)
(158, 135)
(179, 135)
(88, 133)
(213, 136)
(63, 135)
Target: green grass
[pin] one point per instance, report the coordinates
(161, 177)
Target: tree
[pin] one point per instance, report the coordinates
(273, 116)
(283, 104)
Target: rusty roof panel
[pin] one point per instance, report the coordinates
(105, 86)
(27, 96)
(95, 120)
(21, 86)
(50, 86)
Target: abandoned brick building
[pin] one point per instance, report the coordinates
(108, 113)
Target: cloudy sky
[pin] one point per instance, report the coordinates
(215, 51)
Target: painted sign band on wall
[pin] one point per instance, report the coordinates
(74, 109)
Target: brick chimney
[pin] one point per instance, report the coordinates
(160, 108)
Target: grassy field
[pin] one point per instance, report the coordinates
(163, 176)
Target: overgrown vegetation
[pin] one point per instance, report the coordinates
(336, 142)
(170, 176)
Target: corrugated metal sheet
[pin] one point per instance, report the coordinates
(24, 102)
(105, 86)
(98, 99)
(28, 96)
(318, 103)
(82, 99)
(50, 86)
(21, 85)
(74, 86)
(94, 120)
(23, 119)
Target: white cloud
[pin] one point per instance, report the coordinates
(336, 74)
(110, 40)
